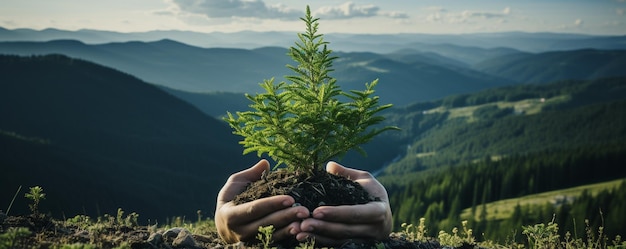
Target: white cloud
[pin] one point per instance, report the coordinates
(441, 15)
(236, 9)
(579, 23)
(346, 10)
(619, 12)
(486, 15)
(506, 11)
(351, 10)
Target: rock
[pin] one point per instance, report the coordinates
(172, 232)
(184, 240)
(155, 239)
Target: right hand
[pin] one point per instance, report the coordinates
(241, 222)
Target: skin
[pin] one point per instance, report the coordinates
(336, 225)
(241, 222)
(327, 225)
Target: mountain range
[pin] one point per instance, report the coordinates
(97, 139)
(422, 76)
(377, 43)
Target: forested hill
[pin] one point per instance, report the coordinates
(510, 120)
(97, 139)
(464, 151)
(556, 65)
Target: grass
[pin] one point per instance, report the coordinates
(526, 107)
(503, 209)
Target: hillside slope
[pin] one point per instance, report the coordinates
(466, 150)
(561, 65)
(97, 139)
(512, 120)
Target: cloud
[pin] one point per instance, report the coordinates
(442, 15)
(236, 8)
(486, 15)
(351, 10)
(619, 12)
(346, 10)
(579, 23)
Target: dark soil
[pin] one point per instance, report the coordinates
(311, 191)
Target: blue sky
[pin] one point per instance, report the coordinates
(604, 17)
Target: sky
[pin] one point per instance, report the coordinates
(597, 17)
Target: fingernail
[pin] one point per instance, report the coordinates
(302, 215)
(287, 203)
(318, 215)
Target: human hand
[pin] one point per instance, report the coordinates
(241, 222)
(335, 225)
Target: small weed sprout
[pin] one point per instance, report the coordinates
(81, 221)
(414, 233)
(77, 246)
(309, 244)
(265, 236)
(542, 235)
(454, 239)
(13, 236)
(35, 194)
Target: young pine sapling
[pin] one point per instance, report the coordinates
(304, 123)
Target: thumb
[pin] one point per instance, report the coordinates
(251, 174)
(338, 169)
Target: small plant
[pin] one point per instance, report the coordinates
(542, 235)
(415, 233)
(12, 237)
(454, 239)
(265, 236)
(35, 194)
(76, 246)
(304, 124)
(308, 244)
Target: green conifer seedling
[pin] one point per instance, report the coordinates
(35, 194)
(304, 123)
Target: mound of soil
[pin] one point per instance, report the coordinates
(311, 191)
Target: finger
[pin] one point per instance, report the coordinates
(287, 232)
(330, 233)
(367, 181)
(353, 174)
(254, 210)
(286, 223)
(371, 212)
(251, 174)
(237, 182)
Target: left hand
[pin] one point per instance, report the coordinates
(335, 225)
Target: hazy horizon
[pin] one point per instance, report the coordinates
(604, 17)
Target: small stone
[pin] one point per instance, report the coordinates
(296, 204)
(155, 239)
(184, 240)
(172, 232)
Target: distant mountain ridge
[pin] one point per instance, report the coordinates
(557, 65)
(193, 69)
(97, 139)
(378, 43)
